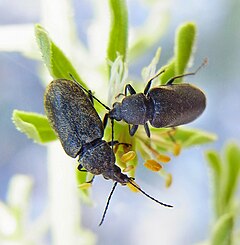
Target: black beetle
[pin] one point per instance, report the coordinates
(168, 105)
(79, 128)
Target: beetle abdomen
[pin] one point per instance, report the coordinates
(71, 115)
(176, 104)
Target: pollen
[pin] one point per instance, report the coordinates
(128, 156)
(153, 165)
(163, 158)
(168, 180)
(177, 149)
(85, 186)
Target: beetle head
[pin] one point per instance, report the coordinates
(115, 174)
(115, 113)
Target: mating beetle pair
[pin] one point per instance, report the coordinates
(71, 114)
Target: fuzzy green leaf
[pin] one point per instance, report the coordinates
(232, 169)
(222, 231)
(185, 136)
(215, 165)
(184, 44)
(189, 137)
(169, 72)
(57, 63)
(35, 126)
(183, 48)
(119, 29)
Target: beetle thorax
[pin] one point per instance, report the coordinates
(136, 109)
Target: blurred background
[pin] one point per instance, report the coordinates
(131, 219)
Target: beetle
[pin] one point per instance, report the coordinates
(168, 105)
(80, 130)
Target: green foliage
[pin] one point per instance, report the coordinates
(183, 49)
(222, 231)
(184, 45)
(225, 172)
(35, 126)
(119, 30)
(57, 63)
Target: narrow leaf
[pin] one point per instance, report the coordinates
(119, 29)
(183, 48)
(222, 231)
(184, 44)
(232, 168)
(57, 63)
(35, 126)
(215, 165)
(169, 71)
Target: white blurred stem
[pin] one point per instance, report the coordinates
(63, 197)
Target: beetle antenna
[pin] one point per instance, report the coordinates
(147, 195)
(205, 61)
(149, 83)
(88, 92)
(108, 201)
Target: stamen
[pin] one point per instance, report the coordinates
(153, 165)
(128, 156)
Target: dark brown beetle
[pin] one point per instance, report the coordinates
(168, 105)
(79, 128)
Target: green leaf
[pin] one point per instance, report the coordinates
(183, 49)
(215, 165)
(184, 45)
(232, 172)
(119, 29)
(35, 126)
(169, 72)
(222, 231)
(57, 63)
(189, 137)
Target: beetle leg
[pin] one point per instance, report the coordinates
(133, 129)
(91, 180)
(105, 120)
(147, 130)
(115, 142)
(171, 80)
(120, 94)
(80, 168)
(129, 88)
